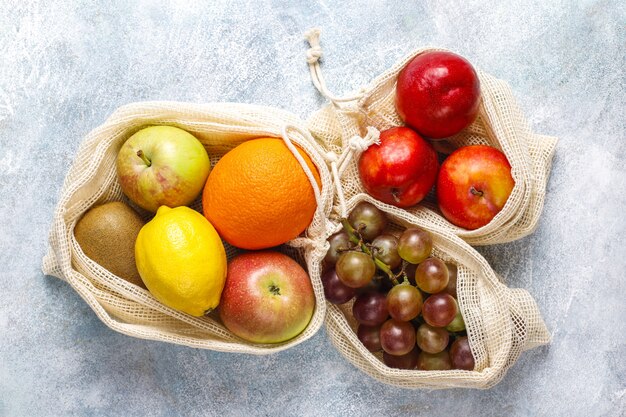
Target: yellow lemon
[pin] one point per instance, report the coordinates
(182, 260)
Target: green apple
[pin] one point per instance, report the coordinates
(162, 166)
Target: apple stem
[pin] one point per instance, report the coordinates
(144, 157)
(476, 192)
(274, 289)
(355, 238)
(395, 194)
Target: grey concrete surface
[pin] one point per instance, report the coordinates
(66, 65)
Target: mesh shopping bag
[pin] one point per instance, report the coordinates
(500, 124)
(92, 180)
(500, 322)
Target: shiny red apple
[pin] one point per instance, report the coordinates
(267, 298)
(400, 170)
(438, 94)
(473, 185)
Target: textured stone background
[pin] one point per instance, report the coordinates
(66, 65)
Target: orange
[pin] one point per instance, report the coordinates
(258, 196)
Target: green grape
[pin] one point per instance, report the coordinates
(368, 220)
(432, 339)
(385, 248)
(415, 245)
(355, 269)
(457, 324)
(431, 275)
(339, 242)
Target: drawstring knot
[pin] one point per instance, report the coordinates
(331, 157)
(338, 165)
(313, 54)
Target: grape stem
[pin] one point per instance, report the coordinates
(403, 272)
(356, 239)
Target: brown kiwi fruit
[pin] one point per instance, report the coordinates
(107, 234)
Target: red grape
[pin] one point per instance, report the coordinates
(434, 361)
(431, 275)
(370, 337)
(397, 337)
(404, 302)
(415, 245)
(439, 309)
(408, 361)
(368, 220)
(336, 291)
(461, 354)
(339, 242)
(452, 276)
(370, 309)
(386, 249)
(432, 339)
(355, 269)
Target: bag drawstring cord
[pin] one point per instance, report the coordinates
(313, 55)
(338, 164)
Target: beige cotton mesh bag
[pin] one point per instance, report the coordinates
(92, 180)
(500, 322)
(500, 124)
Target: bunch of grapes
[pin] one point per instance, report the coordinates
(405, 302)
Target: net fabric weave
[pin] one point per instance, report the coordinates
(92, 180)
(500, 124)
(500, 322)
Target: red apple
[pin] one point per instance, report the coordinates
(267, 298)
(400, 170)
(473, 185)
(438, 94)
